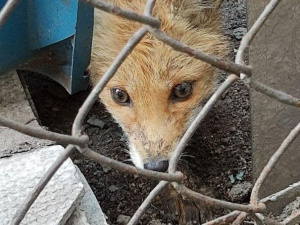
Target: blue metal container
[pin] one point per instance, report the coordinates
(49, 37)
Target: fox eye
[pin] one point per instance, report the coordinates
(120, 96)
(182, 91)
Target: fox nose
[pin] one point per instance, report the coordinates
(161, 166)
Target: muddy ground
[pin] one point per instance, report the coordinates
(217, 159)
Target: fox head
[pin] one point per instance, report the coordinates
(157, 92)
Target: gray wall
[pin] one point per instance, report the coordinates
(275, 57)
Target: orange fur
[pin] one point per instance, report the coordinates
(153, 123)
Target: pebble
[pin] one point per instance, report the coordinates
(106, 169)
(219, 150)
(78, 161)
(156, 222)
(113, 188)
(122, 219)
(239, 32)
(233, 129)
(225, 140)
(94, 121)
(240, 191)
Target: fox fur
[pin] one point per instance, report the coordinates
(153, 123)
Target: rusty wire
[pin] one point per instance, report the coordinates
(142, 209)
(240, 219)
(131, 15)
(80, 141)
(224, 220)
(44, 134)
(6, 10)
(250, 35)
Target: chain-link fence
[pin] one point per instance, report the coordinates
(257, 209)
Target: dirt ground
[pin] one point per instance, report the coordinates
(217, 159)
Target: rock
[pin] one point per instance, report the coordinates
(89, 211)
(94, 121)
(240, 191)
(233, 129)
(113, 188)
(225, 140)
(106, 169)
(78, 161)
(218, 151)
(239, 32)
(156, 222)
(122, 219)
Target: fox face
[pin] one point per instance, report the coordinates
(157, 92)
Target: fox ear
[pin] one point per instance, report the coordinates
(199, 13)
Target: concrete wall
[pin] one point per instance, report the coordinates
(275, 57)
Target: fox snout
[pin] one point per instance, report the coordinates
(157, 163)
(151, 148)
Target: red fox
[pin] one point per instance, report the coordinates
(157, 92)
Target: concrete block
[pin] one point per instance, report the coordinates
(13, 102)
(15, 106)
(89, 211)
(20, 173)
(275, 58)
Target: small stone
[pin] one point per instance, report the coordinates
(113, 188)
(239, 32)
(233, 129)
(156, 222)
(94, 121)
(239, 192)
(122, 219)
(78, 161)
(218, 151)
(113, 198)
(106, 169)
(225, 140)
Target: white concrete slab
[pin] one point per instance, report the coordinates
(20, 173)
(15, 106)
(13, 102)
(89, 211)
